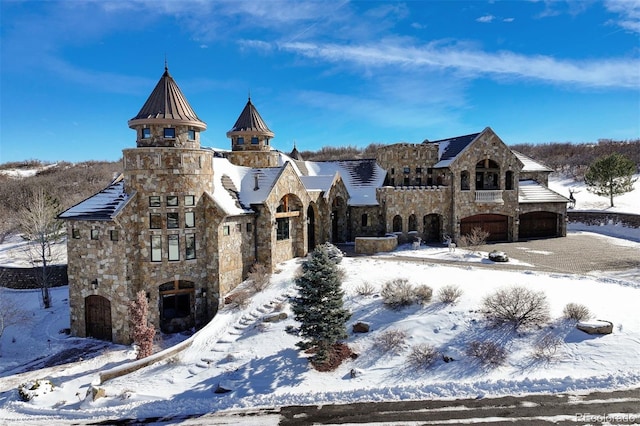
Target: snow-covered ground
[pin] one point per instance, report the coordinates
(585, 200)
(261, 366)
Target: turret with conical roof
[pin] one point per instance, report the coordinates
(166, 118)
(250, 140)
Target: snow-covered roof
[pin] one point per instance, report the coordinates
(104, 205)
(361, 177)
(257, 194)
(531, 165)
(317, 183)
(531, 191)
(227, 181)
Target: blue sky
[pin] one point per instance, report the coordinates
(325, 73)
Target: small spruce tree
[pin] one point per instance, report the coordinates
(319, 306)
(141, 333)
(611, 176)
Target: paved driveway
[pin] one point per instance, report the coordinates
(575, 253)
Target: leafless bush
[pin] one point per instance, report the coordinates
(488, 353)
(576, 311)
(365, 289)
(258, 277)
(391, 341)
(547, 347)
(423, 293)
(476, 238)
(238, 299)
(449, 294)
(397, 293)
(518, 306)
(422, 355)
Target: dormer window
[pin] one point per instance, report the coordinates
(146, 133)
(240, 140)
(169, 133)
(254, 140)
(191, 135)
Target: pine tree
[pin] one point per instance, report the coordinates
(319, 306)
(611, 176)
(141, 333)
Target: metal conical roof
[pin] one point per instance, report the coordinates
(167, 102)
(250, 121)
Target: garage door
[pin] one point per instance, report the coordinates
(538, 225)
(496, 225)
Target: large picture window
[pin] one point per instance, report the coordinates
(174, 247)
(156, 248)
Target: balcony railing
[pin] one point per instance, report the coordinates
(494, 196)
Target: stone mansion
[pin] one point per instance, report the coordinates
(185, 223)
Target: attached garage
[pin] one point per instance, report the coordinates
(496, 225)
(538, 225)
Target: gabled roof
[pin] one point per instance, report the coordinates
(250, 121)
(360, 177)
(449, 149)
(531, 165)
(104, 205)
(530, 191)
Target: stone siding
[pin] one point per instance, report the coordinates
(408, 164)
(26, 278)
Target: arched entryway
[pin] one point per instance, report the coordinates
(339, 220)
(397, 223)
(496, 225)
(97, 311)
(431, 228)
(538, 225)
(177, 300)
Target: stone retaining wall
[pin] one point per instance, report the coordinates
(597, 218)
(25, 278)
(371, 245)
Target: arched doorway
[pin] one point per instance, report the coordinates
(397, 223)
(311, 229)
(338, 220)
(431, 228)
(97, 312)
(177, 300)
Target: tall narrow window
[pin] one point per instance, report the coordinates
(190, 246)
(283, 228)
(169, 132)
(155, 221)
(174, 247)
(226, 230)
(156, 248)
(114, 235)
(172, 220)
(365, 220)
(191, 134)
(508, 181)
(189, 219)
(95, 234)
(464, 181)
(75, 233)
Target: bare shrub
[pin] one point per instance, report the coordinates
(576, 311)
(518, 306)
(547, 347)
(239, 299)
(397, 293)
(259, 277)
(449, 294)
(423, 293)
(488, 353)
(476, 238)
(422, 355)
(391, 341)
(365, 289)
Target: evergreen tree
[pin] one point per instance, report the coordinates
(319, 306)
(611, 176)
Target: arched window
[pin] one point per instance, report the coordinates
(413, 226)
(397, 224)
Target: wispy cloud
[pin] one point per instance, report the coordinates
(486, 19)
(478, 63)
(508, 20)
(629, 12)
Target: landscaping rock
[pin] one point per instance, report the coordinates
(95, 393)
(360, 327)
(595, 327)
(275, 317)
(498, 256)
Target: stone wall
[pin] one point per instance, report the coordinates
(25, 278)
(372, 245)
(408, 164)
(374, 226)
(254, 159)
(600, 218)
